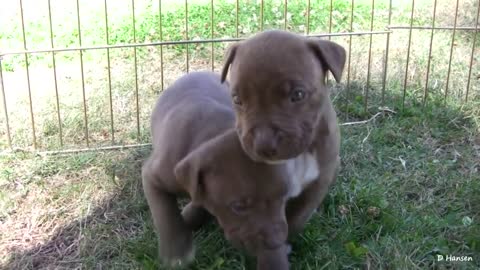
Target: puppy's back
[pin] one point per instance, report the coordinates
(194, 86)
(194, 109)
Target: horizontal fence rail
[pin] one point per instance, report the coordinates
(179, 42)
(406, 27)
(380, 55)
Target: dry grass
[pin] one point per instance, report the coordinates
(57, 213)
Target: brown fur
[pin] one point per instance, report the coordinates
(267, 71)
(196, 151)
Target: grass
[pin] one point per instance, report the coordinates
(407, 191)
(149, 79)
(409, 184)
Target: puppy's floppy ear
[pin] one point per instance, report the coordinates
(331, 55)
(189, 173)
(229, 56)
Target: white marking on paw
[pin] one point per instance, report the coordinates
(184, 261)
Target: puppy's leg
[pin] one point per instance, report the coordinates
(300, 209)
(195, 216)
(175, 238)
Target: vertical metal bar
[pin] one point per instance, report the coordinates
(425, 91)
(112, 130)
(327, 76)
(236, 18)
(55, 75)
(213, 33)
(369, 57)
(161, 39)
(350, 47)
(387, 48)
(308, 17)
(473, 52)
(187, 53)
(261, 15)
(9, 137)
(408, 55)
(285, 11)
(330, 20)
(28, 78)
(347, 90)
(136, 71)
(451, 50)
(83, 77)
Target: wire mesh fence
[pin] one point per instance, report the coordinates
(84, 74)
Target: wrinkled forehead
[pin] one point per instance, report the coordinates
(254, 180)
(265, 67)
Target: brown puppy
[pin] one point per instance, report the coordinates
(284, 113)
(197, 151)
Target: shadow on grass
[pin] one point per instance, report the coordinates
(407, 192)
(119, 234)
(95, 240)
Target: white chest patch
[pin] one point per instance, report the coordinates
(303, 170)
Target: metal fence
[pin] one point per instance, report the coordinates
(371, 32)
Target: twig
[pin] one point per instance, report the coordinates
(71, 261)
(382, 111)
(335, 97)
(368, 135)
(402, 161)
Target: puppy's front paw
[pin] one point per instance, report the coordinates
(177, 251)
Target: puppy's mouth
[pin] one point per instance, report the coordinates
(281, 158)
(276, 162)
(257, 158)
(275, 147)
(250, 242)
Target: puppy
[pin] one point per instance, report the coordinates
(196, 152)
(284, 113)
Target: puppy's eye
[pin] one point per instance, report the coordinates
(236, 100)
(297, 95)
(241, 207)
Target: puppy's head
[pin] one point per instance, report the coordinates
(278, 89)
(246, 197)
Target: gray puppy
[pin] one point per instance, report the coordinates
(196, 152)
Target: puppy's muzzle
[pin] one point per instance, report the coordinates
(266, 142)
(273, 236)
(269, 237)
